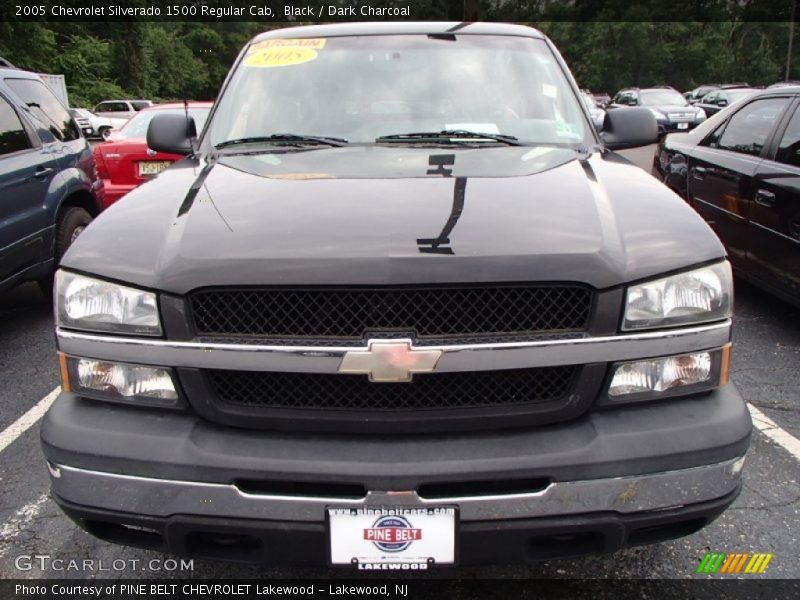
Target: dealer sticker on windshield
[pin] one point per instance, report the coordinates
(283, 52)
(392, 538)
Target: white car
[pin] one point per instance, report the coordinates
(120, 109)
(94, 126)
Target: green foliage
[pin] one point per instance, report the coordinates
(618, 47)
(103, 60)
(609, 55)
(87, 61)
(171, 68)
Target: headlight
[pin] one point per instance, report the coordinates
(666, 376)
(657, 113)
(119, 382)
(95, 305)
(697, 296)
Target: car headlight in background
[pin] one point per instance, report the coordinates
(696, 296)
(666, 376)
(119, 382)
(96, 305)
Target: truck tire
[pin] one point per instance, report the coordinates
(70, 224)
(104, 132)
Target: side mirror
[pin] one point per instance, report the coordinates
(629, 128)
(171, 133)
(722, 102)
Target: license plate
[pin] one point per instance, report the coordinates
(152, 167)
(683, 126)
(392, 538)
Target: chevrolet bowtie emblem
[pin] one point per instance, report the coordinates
(390, 360)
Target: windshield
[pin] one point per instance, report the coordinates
(359, 88)
(137, 126)
(663, 98)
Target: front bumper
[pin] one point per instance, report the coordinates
(670, 126)
(607, 480)
(300, 543)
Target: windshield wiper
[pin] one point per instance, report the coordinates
(450, 135)
(283, 137)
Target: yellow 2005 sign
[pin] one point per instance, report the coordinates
(283, 53)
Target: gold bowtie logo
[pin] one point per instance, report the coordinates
(390, 361)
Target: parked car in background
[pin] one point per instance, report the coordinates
(125, 162)
(49, 189)
(597, 114)
(694, 96)
(81, 118)
(602, 98)
(120, 109)
(94, 126)
(786, 83)
(716, 100)
(741, 171)
(669, 107)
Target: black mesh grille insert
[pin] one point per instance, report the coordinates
(352, 312)
(426, 392)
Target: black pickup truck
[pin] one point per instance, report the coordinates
(401, 306)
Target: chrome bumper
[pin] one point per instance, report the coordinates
(164, 497)
(454, 358)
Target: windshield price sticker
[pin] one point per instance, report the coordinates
(283, 52)
(392, 538)
(310, 43)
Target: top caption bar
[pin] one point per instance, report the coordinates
(314, 11)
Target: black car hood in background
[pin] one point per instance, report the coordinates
(395, 215)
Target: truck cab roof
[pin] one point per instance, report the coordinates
(401, 28)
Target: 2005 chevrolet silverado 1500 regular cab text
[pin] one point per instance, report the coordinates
(400, 306)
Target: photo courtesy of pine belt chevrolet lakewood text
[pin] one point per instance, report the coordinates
(401, 306)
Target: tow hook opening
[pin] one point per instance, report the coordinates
(232, 547)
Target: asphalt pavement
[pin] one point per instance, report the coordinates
(765, 518)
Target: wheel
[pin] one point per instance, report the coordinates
(70, 224)
(105, 132)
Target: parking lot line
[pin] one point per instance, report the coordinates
(21, 425)
(771, 429)
(17, 524)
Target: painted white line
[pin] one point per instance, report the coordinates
(21, 519)
(21, 425)
(771, 429)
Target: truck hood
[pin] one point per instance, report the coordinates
(395, 215)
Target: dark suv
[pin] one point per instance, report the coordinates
(49, 190)
(669, 107)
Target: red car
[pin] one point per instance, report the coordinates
(125, 162)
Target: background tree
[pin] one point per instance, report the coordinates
(610, 45)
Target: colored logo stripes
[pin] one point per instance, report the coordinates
(739, 562)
